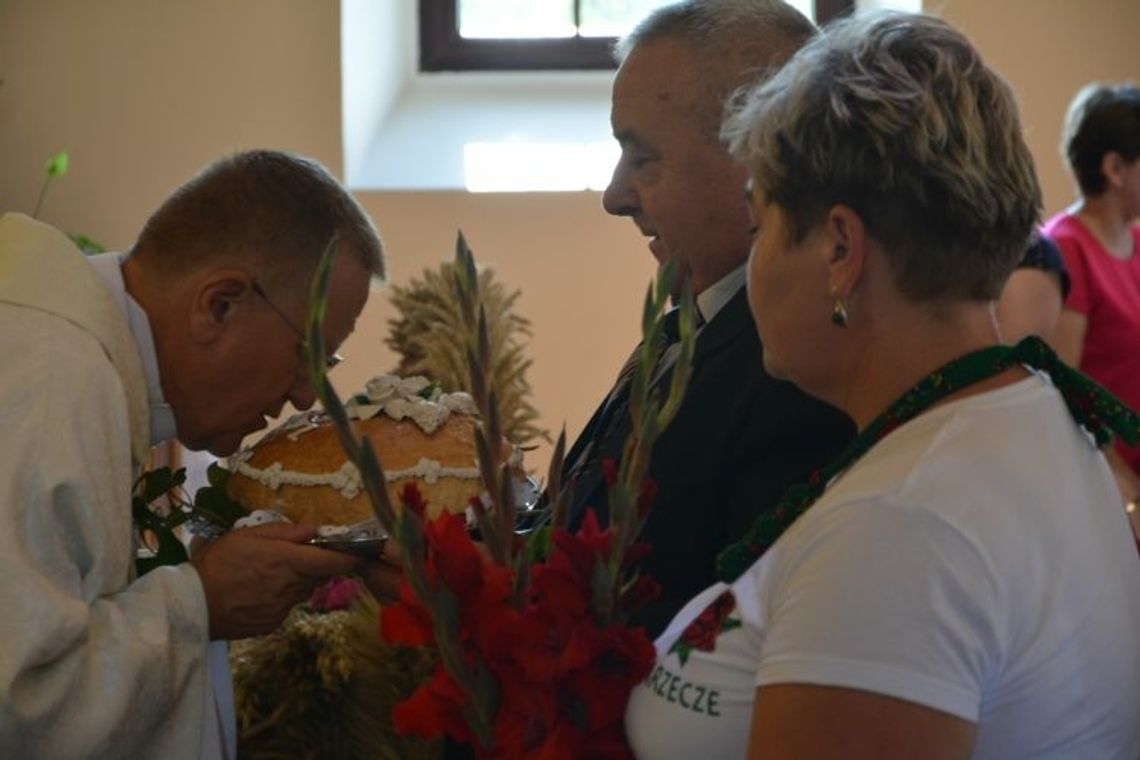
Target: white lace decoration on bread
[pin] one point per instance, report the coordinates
(399, 398)
(346, 480)
(402, 397)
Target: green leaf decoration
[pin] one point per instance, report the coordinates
(57, 164)
(649, 311)
(149, 487)
(214, 505)
(318, 304)
(682, 650)
(217, 476)
(157, 483)
(601, 593)
(486, 696)
(86, 244)
(359, 451)
(538, 544)
(170, 552)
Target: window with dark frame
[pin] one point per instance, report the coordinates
(443, 48)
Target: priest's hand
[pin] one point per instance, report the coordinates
(253, 577)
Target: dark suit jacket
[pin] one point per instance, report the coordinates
(738, 441)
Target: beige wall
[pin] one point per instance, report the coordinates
(1046, 50)
(582, 275)
(143, 92)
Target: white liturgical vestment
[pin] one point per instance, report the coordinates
(93, 661)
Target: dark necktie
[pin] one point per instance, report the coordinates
(616, 409)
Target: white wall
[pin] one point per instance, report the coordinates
(377, 58)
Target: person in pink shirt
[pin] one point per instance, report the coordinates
(1099, 327)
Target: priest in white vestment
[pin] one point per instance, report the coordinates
(102, 359)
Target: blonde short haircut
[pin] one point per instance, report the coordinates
(896, 116)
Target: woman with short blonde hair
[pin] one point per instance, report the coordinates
(961, 582)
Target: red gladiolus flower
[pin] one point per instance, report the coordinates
(407, 623)
(480, 587)
(526, 719)
(436, 708)
(563, 682)
(492, 627)
(614, 660)
(453, 555)
(556, 590)
(578, 552)
(610, 744)
(643, 591)
(558, 605)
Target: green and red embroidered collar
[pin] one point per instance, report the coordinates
(1092, 407)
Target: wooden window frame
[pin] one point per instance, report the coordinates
(443, 49)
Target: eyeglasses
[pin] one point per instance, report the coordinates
(330, 362)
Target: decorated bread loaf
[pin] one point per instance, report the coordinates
(300, 470)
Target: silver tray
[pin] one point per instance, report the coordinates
(367, 538)
(361, 546)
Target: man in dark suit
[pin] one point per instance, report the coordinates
(740, 438)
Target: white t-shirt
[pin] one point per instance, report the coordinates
(976, 561)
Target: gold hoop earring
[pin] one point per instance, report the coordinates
(839, 314)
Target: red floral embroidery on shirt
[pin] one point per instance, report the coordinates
(703, 631)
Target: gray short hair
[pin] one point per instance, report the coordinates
(733, 42)
(896, 116)
(270, 210)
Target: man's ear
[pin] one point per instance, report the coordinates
(844, 250)
(218, 298)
